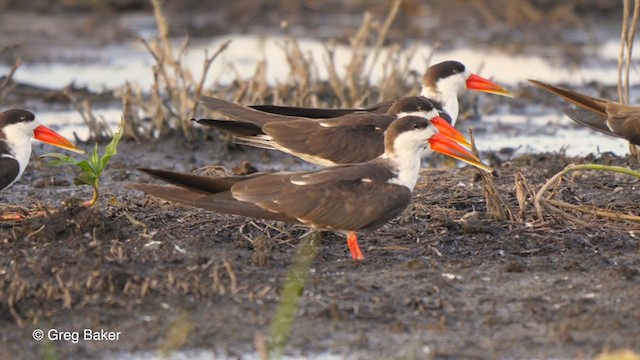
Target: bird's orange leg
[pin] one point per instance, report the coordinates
(12, 217)
(352, 242)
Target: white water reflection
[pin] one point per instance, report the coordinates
(530, 134)
(111, 66)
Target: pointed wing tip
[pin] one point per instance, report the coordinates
(140, 187)
(541, 84)
(145, 170)
(156, 173)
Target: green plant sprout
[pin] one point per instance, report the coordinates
(92, 167)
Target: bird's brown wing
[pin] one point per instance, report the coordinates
(320, 113)
(336, 200)
(590, 112)
(202, 184)
(353, 138)
(593, 120)
(624, 121)
(581, 100)
(221, 202)
(238, 128)
(9, 170)
(240, 112)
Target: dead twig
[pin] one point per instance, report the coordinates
(7, 85)
(541, 203)
(495, 205)
(98, 129)
(627, 35)
(524, 194)
(205, 70)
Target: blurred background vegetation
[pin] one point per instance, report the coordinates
(429, 20)
(31, 28)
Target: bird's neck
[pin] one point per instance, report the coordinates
(19, 147)
(448, 99)
(406, 168)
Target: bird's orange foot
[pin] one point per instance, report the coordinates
(354, 248)
(12, 217)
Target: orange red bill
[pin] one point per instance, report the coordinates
(48, 136)
(449, 131)
(445, 145)
(476, 82)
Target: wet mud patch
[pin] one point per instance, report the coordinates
(444, 279)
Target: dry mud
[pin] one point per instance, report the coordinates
(444, 280)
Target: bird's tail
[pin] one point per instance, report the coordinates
(590, 112)
(581, 100)
(204, 192)
(239, 112)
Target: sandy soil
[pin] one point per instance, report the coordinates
(444, 280)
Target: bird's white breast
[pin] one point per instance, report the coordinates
(18, 138)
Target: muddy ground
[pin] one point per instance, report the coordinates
(444, 280)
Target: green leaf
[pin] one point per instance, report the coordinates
(93, 165)
(95, 160)
(86, 178)
(78, 182)
(60, 159)
(112, 149)
(86, 167)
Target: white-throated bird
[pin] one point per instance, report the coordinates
(343, 198)
(441, 85)
(347, 139)
(17, 128)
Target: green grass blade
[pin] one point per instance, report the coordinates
(291, 293)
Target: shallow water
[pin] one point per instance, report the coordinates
(111, 66)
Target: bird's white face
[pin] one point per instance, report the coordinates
(453, 84)
(447, 87)
(18, 137)
(408, 147)
(21, 130)
(412, 142)
(446, 92)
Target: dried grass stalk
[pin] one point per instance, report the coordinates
(524, 194)
(175, 92)
(132, 122)
(627, 35)
(98, 128)
(497, 207)
(8, 84)
(556, 207)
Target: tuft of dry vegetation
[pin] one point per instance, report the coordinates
(98, 127)
(172, 101)
(6, 82)
(496, 206)
(627, 34)
(568, 211)
(175, 92)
